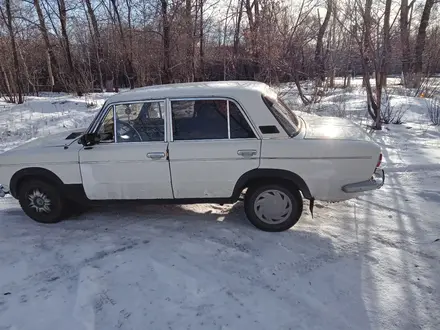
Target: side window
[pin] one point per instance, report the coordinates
(199, 120)
(106, 130)
(140, 122)
(240, 128)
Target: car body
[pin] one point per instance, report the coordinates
(197, 142)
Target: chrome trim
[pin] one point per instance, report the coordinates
(375, 182)
(228, 120)
(104, 110)
(107, 108)
(214, 140)
(237, 103)
(156, 155)
(115, 136)
(125, 143)
(169, 136)
(214, 159)
(139, 101)
(307, 158)
(128, 161)
(75, 162)
(169, 120)
(247, 152)
(165, 120)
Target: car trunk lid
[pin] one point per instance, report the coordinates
(334, 129)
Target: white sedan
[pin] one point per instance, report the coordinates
(195, 143)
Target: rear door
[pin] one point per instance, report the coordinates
(212, 145)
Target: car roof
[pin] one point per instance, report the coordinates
(232, 89)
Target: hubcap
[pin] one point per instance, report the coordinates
(273, 206)
(39, 202)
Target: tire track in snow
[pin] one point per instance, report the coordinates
(402, 246)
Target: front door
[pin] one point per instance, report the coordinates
(130, 162)
(213, 145)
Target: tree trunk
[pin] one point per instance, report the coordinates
(97, 45)
(52, 63)
(189, 60)
(202, 43)
(331, 51)
(130, 67)
(66, 44)
(237, 37)
(126, 51)
(319, 50)
(404, 40)
(373, 106)
(253, 12)
(420, 43)
(166, 43)
(9, 91)
(386, 50)
(10, 27)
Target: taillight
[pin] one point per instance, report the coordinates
(379, 160)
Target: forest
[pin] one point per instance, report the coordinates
(83, 46)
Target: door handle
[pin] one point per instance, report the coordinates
(156, 155)
(247, 152)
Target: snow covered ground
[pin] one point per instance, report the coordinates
(368, 263)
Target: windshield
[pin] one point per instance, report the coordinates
(284, 115)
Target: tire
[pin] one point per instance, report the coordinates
(278, 198)
(41, 201)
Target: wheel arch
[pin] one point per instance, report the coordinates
(267, 173)
(32, 172)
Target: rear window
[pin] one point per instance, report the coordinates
(283, 114)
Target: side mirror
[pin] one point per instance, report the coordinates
(89, 139)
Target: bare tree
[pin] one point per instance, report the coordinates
(190, 41)
(201, 38)
(420, 42)
(8, 19)
(62, 11)
(80, 45)
(319, 51)
(404, 40)
(96, 38)
(167, 77)
(253, 15)
(52, 63)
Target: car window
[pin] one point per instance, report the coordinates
(285, 117)
(207, 119)
(154, 110)
(183, 109)
(240, 128)
(140, 122)
(199, 120)
(106, 130)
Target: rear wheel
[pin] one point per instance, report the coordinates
(273, 207)
(41, 201)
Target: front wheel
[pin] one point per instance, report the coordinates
(41, 201)
(273, 207)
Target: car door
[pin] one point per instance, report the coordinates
(212, 145)
(130, 162)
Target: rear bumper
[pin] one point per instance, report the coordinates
(3, 191)
(376, 182)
